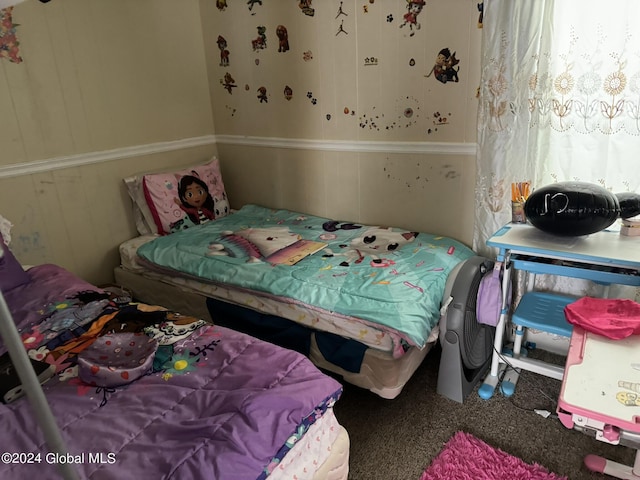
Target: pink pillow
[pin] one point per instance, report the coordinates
(186, 198)
(12, 274)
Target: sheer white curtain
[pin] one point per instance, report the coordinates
(559, 101)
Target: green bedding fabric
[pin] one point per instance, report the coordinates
(385, 276)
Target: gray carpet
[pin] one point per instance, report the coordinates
(396, 439)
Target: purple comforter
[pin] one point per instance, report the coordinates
(223, 414)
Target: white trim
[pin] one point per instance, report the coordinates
(29, 168)
(351, 146)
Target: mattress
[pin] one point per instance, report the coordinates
(209, 407)
(380, 372)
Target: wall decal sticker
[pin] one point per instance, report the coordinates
(8, 40)
(370, 61)
(283, 38)
(307, 56)
(341, 29)
(412, 62)
(228, 83)
(389, 18)
(481, 15)
(251, 3)
(305, 6)
(444, 69)
(288, 92)
(414, 7)
(260, 42)
(340, 13)
(438, 119)
(328, 116)
(262, 95)
(224, 53)
(310, 97)
(221, 4)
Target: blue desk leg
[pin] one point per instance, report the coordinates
(488, 387)
(508, 384)
(490, 383)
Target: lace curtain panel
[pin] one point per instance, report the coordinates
(559, 100)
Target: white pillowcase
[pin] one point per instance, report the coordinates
(141, 213)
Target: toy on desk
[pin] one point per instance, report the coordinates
(578, 208)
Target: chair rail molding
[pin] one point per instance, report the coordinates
(440, 148)
(55, 163)
(46, 165)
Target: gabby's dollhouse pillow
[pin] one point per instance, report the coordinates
(186, 198)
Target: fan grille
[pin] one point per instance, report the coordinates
(478, 338)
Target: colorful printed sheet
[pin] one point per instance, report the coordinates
(386, 277)
(210, 407)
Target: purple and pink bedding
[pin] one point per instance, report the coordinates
(215, 404)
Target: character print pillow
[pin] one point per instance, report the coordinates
(186, 198)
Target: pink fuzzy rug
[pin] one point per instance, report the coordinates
(465, 457)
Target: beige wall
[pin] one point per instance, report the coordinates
(76, 217)
(355, 167)
(427, 193)
(97, 76)
(109, 80)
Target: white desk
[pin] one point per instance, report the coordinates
(604, 257)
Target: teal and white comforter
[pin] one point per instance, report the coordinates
(388, 277)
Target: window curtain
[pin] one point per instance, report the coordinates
(559, 100)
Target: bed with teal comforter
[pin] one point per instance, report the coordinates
(386, 277)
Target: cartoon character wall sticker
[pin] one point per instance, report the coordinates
(221, 5)
(224, 53)
(260, 42)
(414, 7)
(283, 38)
(9, 44)
(251, 3)
(228, 83)
(262, 95)
(305, 6)
(444, 70)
